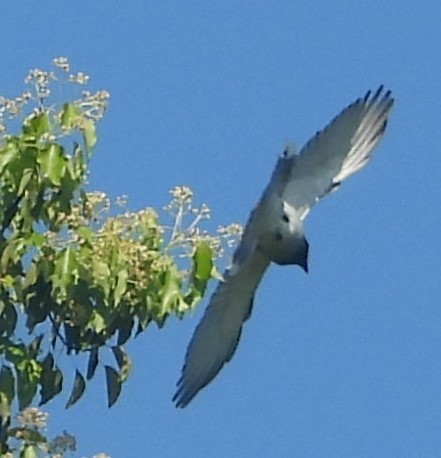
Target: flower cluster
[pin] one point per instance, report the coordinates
(91, 105)
(33, 418)
(186, 232)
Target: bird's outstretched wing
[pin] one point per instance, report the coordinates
(298, 181)
(338, 151)
(217, 335)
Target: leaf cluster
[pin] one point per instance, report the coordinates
(74, 278)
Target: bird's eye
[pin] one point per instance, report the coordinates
(285, 218)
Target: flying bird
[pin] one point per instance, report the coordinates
(274, 232)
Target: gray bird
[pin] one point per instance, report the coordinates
(274, 232)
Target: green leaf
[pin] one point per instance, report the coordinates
(97, 322)
(113, 385)
(38, 212)
(26, 434)
(8, 281)
(100, 269)
(144, 316)
(203, 262)
(93, 363)
(25, 179)
(203, 270)
(52, 387)
(171, 293)
(8, 153)
(36, 239)
(121, 284)
(34, 346)
(5, 411)
(78, 389)
(89, 133)
(66, 194)
(85, 232)
(69, 116)
(31, 275)
(66, 270)
(123, 361)
(37, 303)
(36, 125)
(7, 393)
(77, 164)
(16, 354)
(12, 252)
(66, 264)
(30, 451)
(53, 163)
(101, 275)
(28, 375)
(48, 363)
(72, 337)
(125, 326)
(51, 380)
(8, 319)
(7, 382)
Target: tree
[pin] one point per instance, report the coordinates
(76, 276)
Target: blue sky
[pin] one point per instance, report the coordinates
(343, 362)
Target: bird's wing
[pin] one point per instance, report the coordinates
(217, 335)
(338, 151)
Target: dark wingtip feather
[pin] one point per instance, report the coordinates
(378, 91)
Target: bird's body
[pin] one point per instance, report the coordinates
(274, 232)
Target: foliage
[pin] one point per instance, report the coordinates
(28, 435)
(75, 276)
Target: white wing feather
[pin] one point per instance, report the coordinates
(217, 335)
(338, 151)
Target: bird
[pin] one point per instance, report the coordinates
(274, 232)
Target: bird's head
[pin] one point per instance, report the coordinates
(291, 250)
(285, 243)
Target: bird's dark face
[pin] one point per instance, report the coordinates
(287, 245)
(291, 251)
(303, 256)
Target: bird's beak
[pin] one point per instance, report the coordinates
(304, 266)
